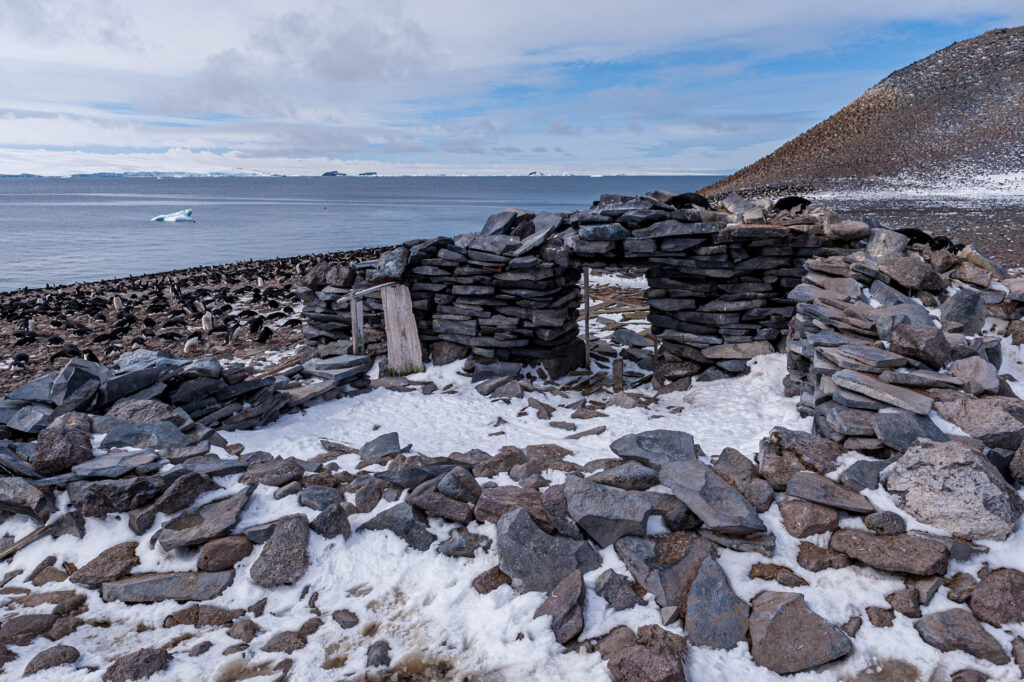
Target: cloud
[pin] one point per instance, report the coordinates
(470, 85)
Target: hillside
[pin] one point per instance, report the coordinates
(950, 116)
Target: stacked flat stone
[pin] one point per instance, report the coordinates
(718, 282)
(717, 286)
(475, 291)
(205, 394)
(880, 342)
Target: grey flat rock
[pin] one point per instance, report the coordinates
(720, 506)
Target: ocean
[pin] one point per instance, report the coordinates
(66, 230)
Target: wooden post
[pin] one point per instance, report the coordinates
(404, 354)
(617, 375)
(356, 307)
(654, 375)
(586, 317)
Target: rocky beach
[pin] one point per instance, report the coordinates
(796, 451)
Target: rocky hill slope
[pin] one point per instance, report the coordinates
(950, 116)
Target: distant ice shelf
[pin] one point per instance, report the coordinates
(179, 217)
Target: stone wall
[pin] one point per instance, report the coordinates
(887, 337)
(717, 280)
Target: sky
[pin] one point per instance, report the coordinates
(444, 86)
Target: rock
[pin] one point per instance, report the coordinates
(741, 473)
(156, 435)
(998, 598)
(881, 618)
(244, 630)
(110, 564)
(956, 488)
(920, 342)
(490, 580)
(665, 566)
(911, 272)
(886, 243)
(380, 447)
(462, 543)
(405, 521)
(813, 487)
(446, 352)
(899, 429)
(905, 601)
(20, 630)
(146, 411)
(655, 448)
(51, 658)
(605, 513)
(846, 230)
(284, 558)
(627, 476)
(657, 656)
(178, 496)
(276, 472)
(895, 553)
(616, 590)
(222, 554)
(978, 374)
(59, 447)
(715, 616)
(115, 466)
(536, 561)
(76, 385)
(459, 484)
(138, 665)
(780, 574)
(496, 502)
(345, 618)
(17, 496)
(146, 588)
(210, 521)
(319, 497)
(885, 523)
(994, 420)
(787, 637)
(964, 312)
(957, 630)
(815, 558)
(332, 522)
(565, 606)
(31, 418)
(202, 616)
(378, 654)
(869, 385)
(436, 504)
(785, 452)
(803, 519)
(863, 474)
(286, 642)
(720, 506)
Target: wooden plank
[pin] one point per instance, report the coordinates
(586, 317)
(363, 292)
(404, 354)
(356, 308)
(617, 375)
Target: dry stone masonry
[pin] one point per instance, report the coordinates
(885, 333)
(718, 282)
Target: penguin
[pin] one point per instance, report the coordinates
(793, 204)
(689, 200)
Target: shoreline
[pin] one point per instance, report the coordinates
(40, 329)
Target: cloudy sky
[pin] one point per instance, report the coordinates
(444, 86)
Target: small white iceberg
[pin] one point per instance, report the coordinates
(179, 217)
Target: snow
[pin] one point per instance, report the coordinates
(423, 603)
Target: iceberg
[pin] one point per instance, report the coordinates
(179, 217)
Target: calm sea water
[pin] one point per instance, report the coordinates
(64, 230)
